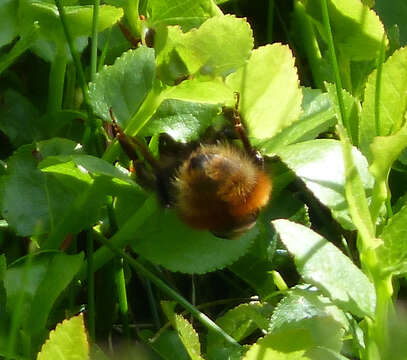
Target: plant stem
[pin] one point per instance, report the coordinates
(104, 50)
(334, 62)
(16, 317)
(309, 41)
(201, 317)
(133, 17)
(94, 49)
(153, 306)
(378, 87)
(90, 132)
(122, 296)
(120, 239)
(91, 286)
(56, 81)
(74, 51)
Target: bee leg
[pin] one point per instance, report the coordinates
(242, 134)
(130, 145)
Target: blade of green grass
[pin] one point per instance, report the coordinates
(201, 317)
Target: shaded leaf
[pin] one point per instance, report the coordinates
(391, 13)
(8, 21)
(24, 42)
(18, 118)
(49, 274)
(167, 241)
(124, 85)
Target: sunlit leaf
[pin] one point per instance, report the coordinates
(320, 164)
(392, 97)
(321, 264)
(270, 96)
(68, 341)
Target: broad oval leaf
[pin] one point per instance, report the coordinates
(78, 18)
(182, 120)
(167, 241)
(221, 45)
(124, 85)
(357, 30)
(392, 97)
(68, 341)
(321, 264)
(270, 96)
(185, 13)
(320, 164)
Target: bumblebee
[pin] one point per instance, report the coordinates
(219, 186)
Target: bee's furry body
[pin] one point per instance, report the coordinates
(219, 188)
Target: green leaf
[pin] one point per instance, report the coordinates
(186, 332)
(391, 13)
(84, 209)
(59, 199)
(393, 253)
(270, 96)
(18, 118)
(385, 151)
(321, 264)
(165, 240)
(4, 329)
(79, 19)
(213, 91)
(25, 41)
(318, 116)
(320, 164)
(182, 120)
(221, 45)
(180, 12)
(68, 341)
(356, 196)
(356, 29)
(240, 322)
(392, 97)
(50, 273)
(168, 345)
(8, 21)
(352, 109)
(287, 345)
(124, 85)
(308, 309)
